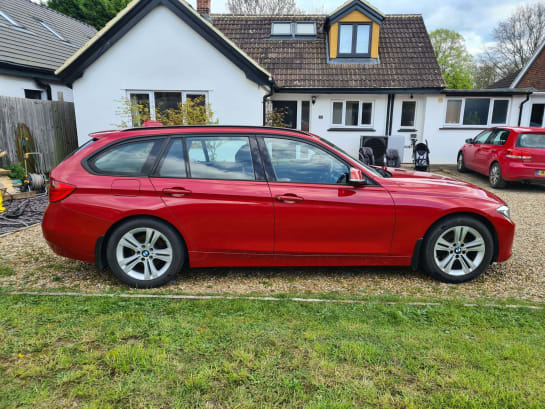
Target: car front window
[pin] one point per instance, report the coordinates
(366, 167)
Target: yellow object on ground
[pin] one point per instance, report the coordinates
(2, 209)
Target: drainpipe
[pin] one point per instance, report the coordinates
(44, 86)
(388, 114)
(265, 97)
(522, 105)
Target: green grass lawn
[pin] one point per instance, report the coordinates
(155, 353)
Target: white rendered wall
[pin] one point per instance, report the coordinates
(12, 86)
(162, 53)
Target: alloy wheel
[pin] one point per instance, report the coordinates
(460, 162)
(144, 253)
(495, 175)
(459, 250)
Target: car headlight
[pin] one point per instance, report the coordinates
(504, 210)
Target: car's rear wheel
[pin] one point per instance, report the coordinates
(495, 177)
(460, 164)
(458, 249)
(145, 253)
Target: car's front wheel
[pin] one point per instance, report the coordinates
(145, 253)
(460, 164)
(458, 249)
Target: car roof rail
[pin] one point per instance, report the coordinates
(146, 128)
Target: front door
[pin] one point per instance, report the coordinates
(316, 211)
(288, 110)
(471, 152)
(214, 189)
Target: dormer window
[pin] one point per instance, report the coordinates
(354, 40)
(293, 29)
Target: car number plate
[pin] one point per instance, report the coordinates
(540, 172)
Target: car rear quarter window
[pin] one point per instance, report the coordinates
(173, 162)
(226, 158)
(531, 140)
(127, 159)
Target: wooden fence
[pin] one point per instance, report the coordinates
(50, 127)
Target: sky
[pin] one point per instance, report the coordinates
(474, 19)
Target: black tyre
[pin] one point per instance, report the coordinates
(460, 164)
(145, 252)
(495, 176)
(457, 249)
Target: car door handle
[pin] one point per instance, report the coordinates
(289, 198)
(176, 191)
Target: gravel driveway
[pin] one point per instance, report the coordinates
(27, 263)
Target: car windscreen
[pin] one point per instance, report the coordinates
(367, 167)
(531, 140)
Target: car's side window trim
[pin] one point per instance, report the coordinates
(259, 168)
(269, 169)
(88, 162)
(154, 172)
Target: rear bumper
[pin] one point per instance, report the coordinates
(519, 171)
(71, 234)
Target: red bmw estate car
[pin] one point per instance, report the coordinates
(146, 202)
(506, 154)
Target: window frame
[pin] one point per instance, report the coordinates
(293, 30)
(151, 96)
(488, 124)
(542, 116)
(269, 169)
(413, 126)
(359, 125)
(353, 53)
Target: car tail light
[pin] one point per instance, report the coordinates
(59, 190)
(517, 154)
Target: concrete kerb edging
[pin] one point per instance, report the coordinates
(252, 298)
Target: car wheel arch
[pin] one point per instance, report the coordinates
(100, 247)
(476, 216)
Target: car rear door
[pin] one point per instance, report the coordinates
(215, 187)
(316, 211)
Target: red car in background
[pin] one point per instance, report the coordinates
(145, 202)
(506, 154)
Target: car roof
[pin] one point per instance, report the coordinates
(191, 129)
(521, 129)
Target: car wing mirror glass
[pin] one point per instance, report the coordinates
(356, 177)
(469, 140)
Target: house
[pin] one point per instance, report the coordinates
(532, 76)
(356, 76)
(34, 42)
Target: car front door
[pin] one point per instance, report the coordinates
(215, 188)
(472, 151)
(316, 210)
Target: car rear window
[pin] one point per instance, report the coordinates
(531, 140)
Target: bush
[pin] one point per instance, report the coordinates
(16, 171)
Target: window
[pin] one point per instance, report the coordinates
(173, 163)
(128, 159)
(352, 113)
(220, 158)
(300, 162)
(354, 40)
(499, 112)
(454, 108)
(295, 29)
(536, 118)
(531, 140)
(305, 116)
(9, 19)
(33, 94)
(499, 138)
(51, 30)
(483, 136)
(281, 29)
(145, 103)
(408, 113)
(476, 112)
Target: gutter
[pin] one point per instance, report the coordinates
(522, 106)
(265, 97)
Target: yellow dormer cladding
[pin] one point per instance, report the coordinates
(353, 17)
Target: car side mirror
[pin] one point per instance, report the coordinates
(356, 177)
(469, 140)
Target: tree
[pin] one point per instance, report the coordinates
(262, 7)
(93, 12)
(516, 39)
(455, 61)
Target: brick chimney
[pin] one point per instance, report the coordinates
(203, 8)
